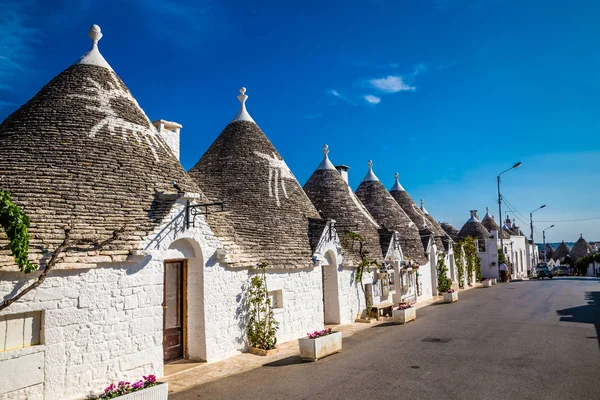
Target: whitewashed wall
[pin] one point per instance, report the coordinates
(100, 325)
(489, 257)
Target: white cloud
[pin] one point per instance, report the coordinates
(391, 84)
(372, 99)
(335, 93)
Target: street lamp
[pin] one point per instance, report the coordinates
(544, 235)
(517, 165)
(531, 223)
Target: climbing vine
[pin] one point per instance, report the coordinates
(365, 264)
(15, 224)
(470, 251)
(460, 263)
(501, 256)
(262, 326)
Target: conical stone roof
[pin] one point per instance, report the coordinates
(581, 248)
(450, 230)
(411, 208)
(268, 209)
(474, 228)
(335, 200)
(488, 222)
(561, 251)
(82, 153)
(549, 252)
(440, 234)
(391, 216)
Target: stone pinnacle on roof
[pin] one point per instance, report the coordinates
(93, 57)
(423, 207)
(489, 222)
(473, 228)
(397, 186)
(326, 164)
(370, 175)
(473, 216)
(243, 115)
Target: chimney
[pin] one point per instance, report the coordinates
(508, 222)
(343, 170)
(169, 131)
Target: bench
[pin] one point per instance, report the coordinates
(384, 309)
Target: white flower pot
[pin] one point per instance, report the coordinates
(450, 297)
(487, 283)
(404, 316)
(494, 281)
(314, 349)
(158, 392)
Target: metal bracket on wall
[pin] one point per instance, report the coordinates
(193, 210)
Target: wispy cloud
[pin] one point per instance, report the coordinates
(390, 84)
(372, 99)
(18, 36)
(336, 93)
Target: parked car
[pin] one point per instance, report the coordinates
(562, 270)
(543, 272)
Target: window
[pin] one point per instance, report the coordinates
(20, 330)
(276, 297)
(481, 246)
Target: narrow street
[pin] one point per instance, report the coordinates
(521, 340)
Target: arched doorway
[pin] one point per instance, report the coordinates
(183, 302)
(331, 299)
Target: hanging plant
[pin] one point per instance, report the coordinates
(460, 263)
(365, 264)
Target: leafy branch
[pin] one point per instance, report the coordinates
(15, 224)
(350, 238)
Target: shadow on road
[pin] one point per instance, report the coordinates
(293, 360)
(573, 278)
(589, 314)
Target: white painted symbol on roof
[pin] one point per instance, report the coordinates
(278, 171)
(112, 121)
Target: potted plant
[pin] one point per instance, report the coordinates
(450, 296)
(494, 281)
(146, 389)
(320, 344)
(404, 314)
(262, 326)
(487, 283)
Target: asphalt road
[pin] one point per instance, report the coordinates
(520, 340)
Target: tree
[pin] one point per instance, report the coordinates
(444, 283)
(459, 261)
(365, 264)
(15, 224)
(262, 325)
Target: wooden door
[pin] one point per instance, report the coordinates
(174, 309)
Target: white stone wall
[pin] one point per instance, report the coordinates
(489, 257)
(100, 325)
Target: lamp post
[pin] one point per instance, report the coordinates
(544, 235)
(531, 226)
(517, 165)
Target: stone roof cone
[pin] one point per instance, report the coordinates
(561, 251)
(450, 230)
(581, 248)
(268, 210)
(488, 221)
(474, 228)
(426, 225)
(391, 216)
(335, 200)
(82, 152)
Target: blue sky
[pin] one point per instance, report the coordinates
(448, 93)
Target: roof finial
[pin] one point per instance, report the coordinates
(397, 186)
(93, 56)
(487, 210)
(370, 175)
(326, 164)
(423, 207)
(95, 33)
(243, 115)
